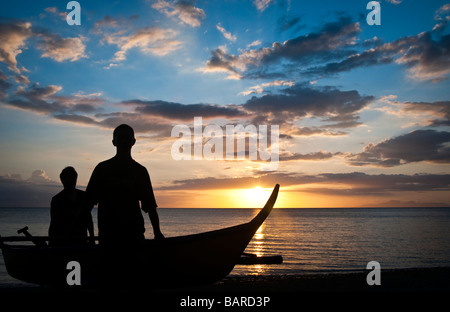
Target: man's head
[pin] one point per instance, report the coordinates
(123, 137)
(68, 178)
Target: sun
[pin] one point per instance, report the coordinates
(254, 197)
(256, 193)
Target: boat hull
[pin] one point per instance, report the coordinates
(171, 262)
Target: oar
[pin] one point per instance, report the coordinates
(38, 243)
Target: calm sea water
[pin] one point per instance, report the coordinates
(310, 240)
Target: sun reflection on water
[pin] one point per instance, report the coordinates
(257, 245)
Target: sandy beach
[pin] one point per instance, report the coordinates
(404, 287)
(398, 280)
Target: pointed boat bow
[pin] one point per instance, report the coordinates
(264, 213)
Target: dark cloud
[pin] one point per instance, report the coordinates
(267, 180)
(425, 57)
(365, 184)
(4, 85)
(286, 23)
(333, 41)
(139, 122)
(329, 103)
(75, 118)
(45, 100)
(36, 191)
(310, 131)
(310, 156)
(36, 99)
(337, 109)
(335, 49)
(348, 184)
(439, 111)
(323, 45)
(177, 111)
(420, 145)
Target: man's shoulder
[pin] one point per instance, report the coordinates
(58, 196)
(138, 165)
(104, 164)
(113, 162)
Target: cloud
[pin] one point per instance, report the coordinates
(346, 184)
(13, 37)
(357, 183)
(425, 58)
(39, 176)
(184, 11)
(428, 59)
(310, 131)
(260, 88)
(394, 1)
(331, 42)
(254, 43)
(108, 22)
(220, 61)
(45, 100)
(321, 155)
(335, 48)
(285, 23)
(4, 85)
(35, 191)
(149, 40)
(75, 118)
(299, 101)
(55, 12)
(443, 16)
(440, 111)
(61, 49)
(225, 33)
(12, 40)
(261, 5)
(177, 111)
(420, 145)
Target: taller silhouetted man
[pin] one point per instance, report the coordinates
(121, 187)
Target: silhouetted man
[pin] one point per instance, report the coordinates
(121, 187)
(118, 185)
(66, 216)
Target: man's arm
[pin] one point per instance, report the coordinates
(154, 219)
(148, 203)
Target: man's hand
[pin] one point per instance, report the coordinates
(159, 235)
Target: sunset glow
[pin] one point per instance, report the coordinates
(361, 111)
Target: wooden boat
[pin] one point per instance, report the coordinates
(172, 262)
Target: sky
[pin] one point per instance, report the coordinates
(363, 110)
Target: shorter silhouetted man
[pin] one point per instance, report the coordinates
(69, 224)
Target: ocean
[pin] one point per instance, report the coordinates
(310, 240)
